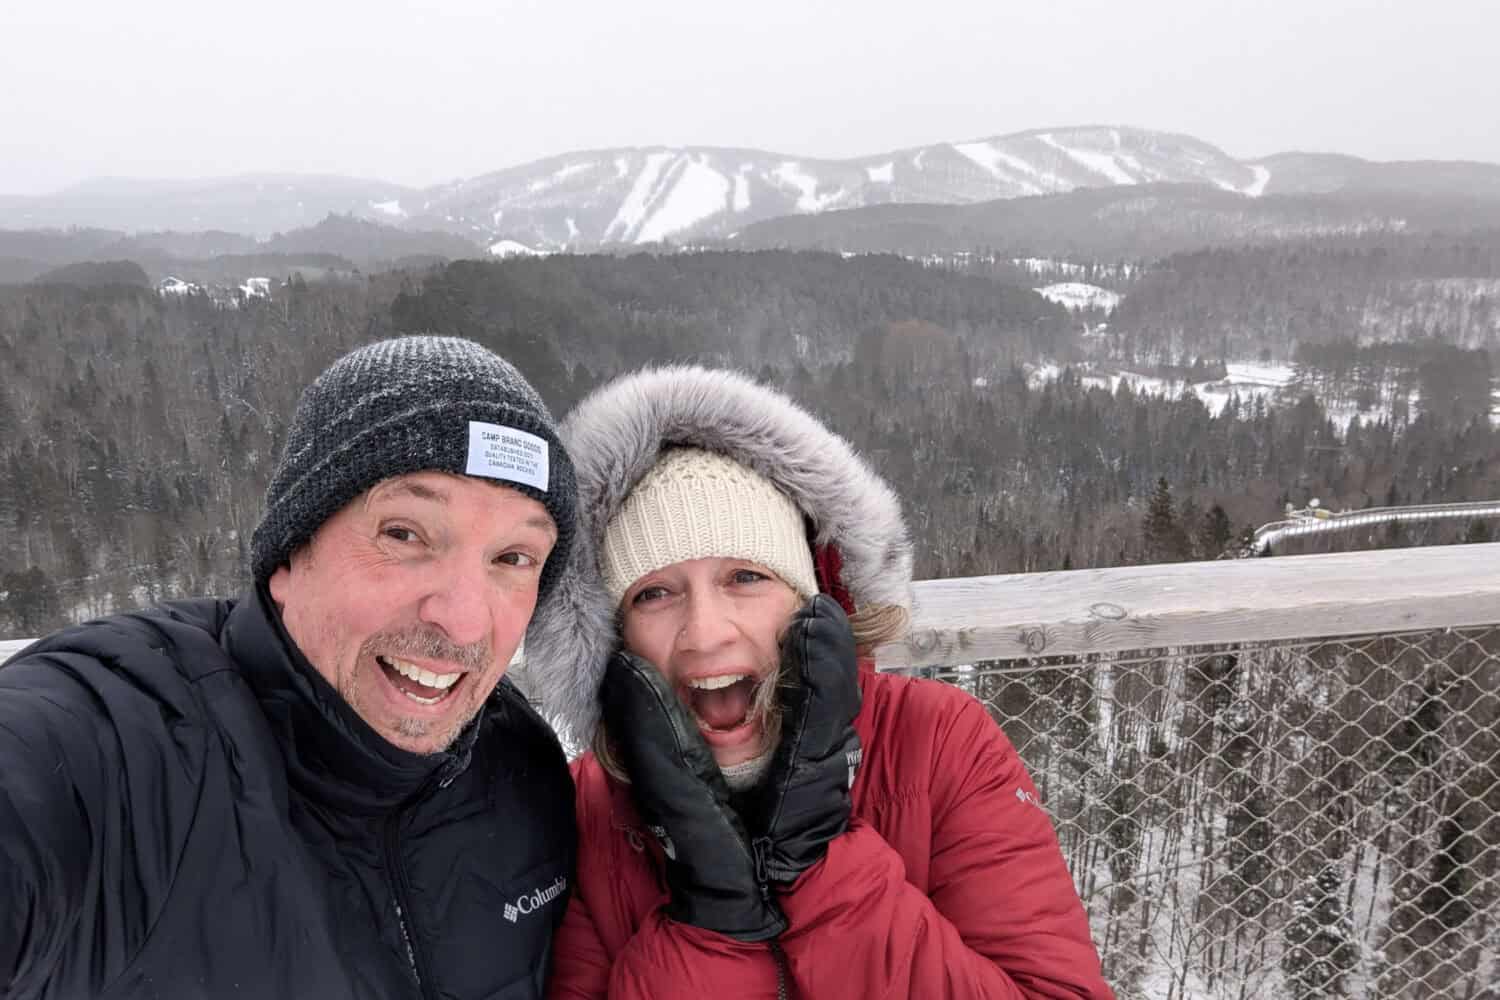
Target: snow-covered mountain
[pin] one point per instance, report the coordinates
(633, 196)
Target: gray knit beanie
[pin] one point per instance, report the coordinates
(413, 404)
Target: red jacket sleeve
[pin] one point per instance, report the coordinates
(1001, 919)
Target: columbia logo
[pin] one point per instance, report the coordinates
(535, 900)
(1022, 795)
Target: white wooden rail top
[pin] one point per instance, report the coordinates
(1180, 604)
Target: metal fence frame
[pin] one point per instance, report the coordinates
(1270, 777)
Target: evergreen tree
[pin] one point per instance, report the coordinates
(1320, 945)
(1215, 533)
(1162, 535)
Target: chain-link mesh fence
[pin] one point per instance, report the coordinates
(1298, 820)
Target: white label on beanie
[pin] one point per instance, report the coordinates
(497, 452)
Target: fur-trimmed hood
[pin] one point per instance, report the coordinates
(614, 437)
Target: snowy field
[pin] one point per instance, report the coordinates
(1076, 295)
(1275, 383)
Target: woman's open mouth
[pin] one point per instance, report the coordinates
(721, 704)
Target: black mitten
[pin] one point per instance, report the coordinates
(804, 802)
(681, 793)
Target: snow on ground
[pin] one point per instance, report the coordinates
(1048, 180)
(392, 208)
(622, 167)
(1137, 168)
(572, 229)
(883, 174)
(1257, 187)
(172, 285)
(632, 210)
(1075, 295)
(916, 161)
(1098, 163)
(1252, 373)
(511, 248)
(791, 174)
(557, 177)
(697, 192)
(1342, 413)
(1043, 265)
(1244, 380)
(1001, 165)
(256, 288)
(742, 190)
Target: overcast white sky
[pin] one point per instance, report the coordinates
(418, 93)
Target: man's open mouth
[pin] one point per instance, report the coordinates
(422, 686)
(723, 703)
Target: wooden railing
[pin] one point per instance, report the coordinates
(1080, 612)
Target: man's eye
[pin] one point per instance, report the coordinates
(517, 559)
(397, 533)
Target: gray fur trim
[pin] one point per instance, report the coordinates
(614, 436)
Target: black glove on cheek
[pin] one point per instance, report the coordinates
(804, 802)
(680, 792)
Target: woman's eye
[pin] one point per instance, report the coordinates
(647, 594)
(748, 576)
(518, 559)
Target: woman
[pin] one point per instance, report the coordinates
(762, 814)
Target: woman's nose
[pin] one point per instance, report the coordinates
(708, 622)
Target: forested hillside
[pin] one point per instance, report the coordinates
(1244, 301)
(140, 429)
(1135, 223)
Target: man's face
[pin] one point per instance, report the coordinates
(412, 599)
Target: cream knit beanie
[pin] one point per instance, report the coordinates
(697, 504)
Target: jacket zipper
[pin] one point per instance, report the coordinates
(760, 848)
(403, 892)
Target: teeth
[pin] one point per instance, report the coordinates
(424, 677)
(714, 683)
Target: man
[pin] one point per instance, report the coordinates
(325, 789)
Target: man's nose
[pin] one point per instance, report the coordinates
(459, 603)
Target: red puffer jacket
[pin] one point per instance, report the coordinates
(948, 883)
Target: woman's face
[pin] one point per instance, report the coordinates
(713, 628)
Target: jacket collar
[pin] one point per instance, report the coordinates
(332, 755)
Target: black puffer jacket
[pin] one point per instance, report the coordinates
(188, 810)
